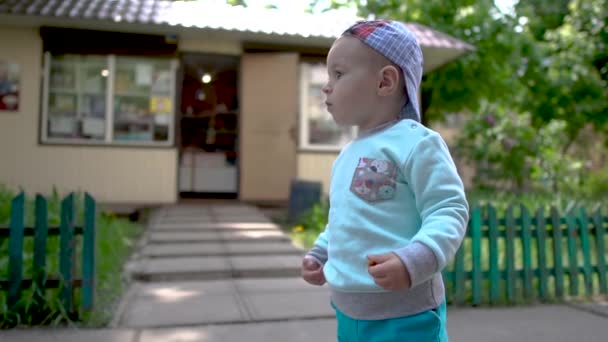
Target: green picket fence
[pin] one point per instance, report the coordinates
(66, 280)
(524, 257)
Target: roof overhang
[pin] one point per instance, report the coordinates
(199, 20)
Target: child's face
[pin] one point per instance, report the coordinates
(351, 89)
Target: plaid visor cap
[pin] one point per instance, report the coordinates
(399, 45)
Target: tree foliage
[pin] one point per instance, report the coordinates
(237, 2)
(568, 82)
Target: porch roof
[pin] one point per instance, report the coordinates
(300, 27)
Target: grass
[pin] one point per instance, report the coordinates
(501, 200)
(115, 240)
(310, 225)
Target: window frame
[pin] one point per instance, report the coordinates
(304, 125)
(108, 139)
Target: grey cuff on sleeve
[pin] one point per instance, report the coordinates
(319, 254)
(420, 262)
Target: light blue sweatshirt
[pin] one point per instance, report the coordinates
(395, 190)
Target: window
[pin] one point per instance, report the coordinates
(94, 99)
(318, 131)
(76, 97)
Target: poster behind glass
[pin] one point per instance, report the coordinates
(9, 86)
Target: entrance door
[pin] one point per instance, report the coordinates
(269, 106)
(209, 126)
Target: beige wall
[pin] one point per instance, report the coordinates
(316, 167)
(110, 174)
(206, 45)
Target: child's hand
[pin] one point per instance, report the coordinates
(312, 271)
(388, 271)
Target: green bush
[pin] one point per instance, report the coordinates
(5, 199)
(310, 225)
(115, 239)
(595, 185)
(510, 154)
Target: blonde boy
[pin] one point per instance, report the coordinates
(398, 210)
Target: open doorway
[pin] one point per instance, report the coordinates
(208, 163)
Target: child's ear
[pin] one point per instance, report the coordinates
(389, 80)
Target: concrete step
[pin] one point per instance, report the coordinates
(217, 267)
(219, 249)
(260, 235)
(211, 226)
(210, 218)
(186, 219)
(207, 210)
(291, 331)
(168, 304)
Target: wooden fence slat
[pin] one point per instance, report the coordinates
(583, 222)
(526, 225)
(459, 276)
(51, 283)
(572, 235)
(448, 278)
(88, 254)
(66, 252)
(477, 285)
(510, 254)
(15, 248)
(557, 253)
(31, 231)
(541, 236)
(494, 271)
(599, 242)
(39, 280)
(40, 240)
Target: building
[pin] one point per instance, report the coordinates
(147, 101)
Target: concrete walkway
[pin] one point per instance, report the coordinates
(551, 323)
(225, 273)
(218, 264)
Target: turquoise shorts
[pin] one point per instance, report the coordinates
(427, 326)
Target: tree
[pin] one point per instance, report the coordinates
(543, 15)
(237, 2)
(485, 74)
(567, 79)
(548, 58)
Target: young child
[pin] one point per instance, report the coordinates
(398, 211)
